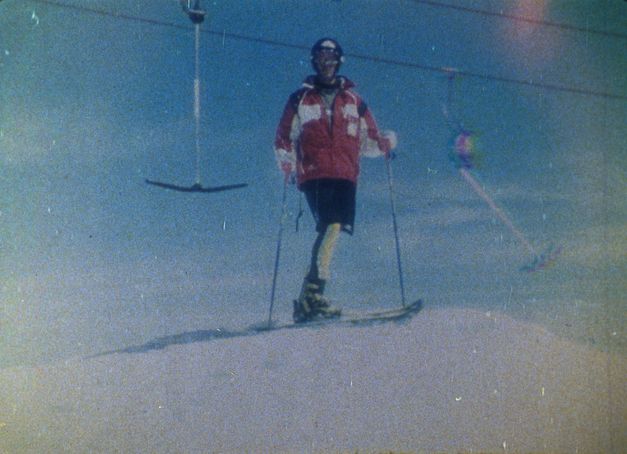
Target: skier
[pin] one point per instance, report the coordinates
(324, 129)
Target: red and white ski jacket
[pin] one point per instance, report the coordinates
(321, 143)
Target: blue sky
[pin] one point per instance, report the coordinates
(92, 104)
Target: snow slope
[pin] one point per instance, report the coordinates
(450, 380)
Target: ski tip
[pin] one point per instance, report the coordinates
(412, 306)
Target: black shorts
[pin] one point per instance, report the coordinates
(331, 201)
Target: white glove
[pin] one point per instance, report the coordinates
(390, 136)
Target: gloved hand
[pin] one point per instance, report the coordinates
(287, 168)
(392, 141)
(286, 162)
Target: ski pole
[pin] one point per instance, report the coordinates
(474, 184)
(388, 167)
(278, 247)
(197, 99)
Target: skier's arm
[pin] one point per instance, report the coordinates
(286, 138)
(373, 143)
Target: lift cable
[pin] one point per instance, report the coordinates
(387, 61)
(513, 17)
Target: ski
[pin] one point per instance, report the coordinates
(401, 314)
(398, 315)
(385, 314)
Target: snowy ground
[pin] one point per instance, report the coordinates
(450, 380)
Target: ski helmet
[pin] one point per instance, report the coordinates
(328, 44)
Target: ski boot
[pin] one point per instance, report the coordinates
(321, 307)
(302, 312)
(311, 304)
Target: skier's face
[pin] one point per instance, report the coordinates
(326, 63)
